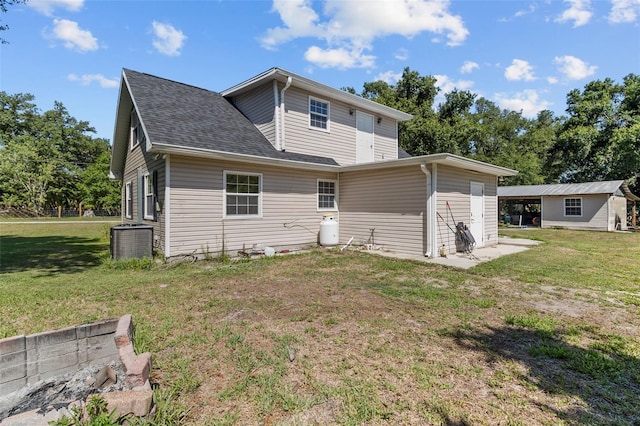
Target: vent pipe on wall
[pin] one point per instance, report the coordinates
(276, 115)
(282, 133)
(430, 211)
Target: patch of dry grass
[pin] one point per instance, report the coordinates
(329, 337)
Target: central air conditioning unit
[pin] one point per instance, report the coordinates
(131, 241)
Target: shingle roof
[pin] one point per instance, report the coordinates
(180, 115)
(607, 187)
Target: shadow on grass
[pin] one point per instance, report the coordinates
(50, 254)
(604, 377)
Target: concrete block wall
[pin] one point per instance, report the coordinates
(25, 360)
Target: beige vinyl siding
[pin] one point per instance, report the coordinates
(385, 145)
(390, 201)
(618, 213)
(454, 186)
(338, 142)
(289, 208)
(140, 160)
(259, 107)
(594, 212)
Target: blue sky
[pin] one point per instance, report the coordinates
(523, 55)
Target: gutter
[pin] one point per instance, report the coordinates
(284, 89)
(430, 210)
(276, 115)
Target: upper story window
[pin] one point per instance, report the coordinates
(243, 194)
(573, 206)
(137, 134)
(327, 195)
(318, 114)
(128, 200)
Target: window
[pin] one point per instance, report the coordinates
(149, 196)
(573, 206)
(128, 200)
(327, 195)
(243, 194)
(318, 114)
(137, 134)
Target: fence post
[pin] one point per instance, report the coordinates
(59, 212)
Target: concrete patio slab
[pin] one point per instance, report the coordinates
(505, 247)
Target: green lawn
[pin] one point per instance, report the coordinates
(546, 336)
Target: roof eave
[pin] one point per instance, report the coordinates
(441, 158)
(163, 148)
(120, 130)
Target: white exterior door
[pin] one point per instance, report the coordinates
(476, 224)
(364, 137)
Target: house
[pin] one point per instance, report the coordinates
(262, 162)
(591, 205)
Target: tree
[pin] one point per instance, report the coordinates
(44, 157)
(4, 9)
(600, 140)
(97, 191)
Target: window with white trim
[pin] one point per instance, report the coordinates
(573, 206)
(128, 200)
(243, 194)
(318, 114)
(137, 134)
(327, 195)
(149, 197)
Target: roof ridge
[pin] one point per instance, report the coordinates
(169, 80)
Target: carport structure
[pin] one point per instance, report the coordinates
(602, 206)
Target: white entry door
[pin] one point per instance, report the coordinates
(476, 224)
(364, 137)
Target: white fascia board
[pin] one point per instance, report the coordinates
(221, 155)
(444, 159)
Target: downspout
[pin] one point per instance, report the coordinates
(284, 89)
(429, 211)
(276, 117)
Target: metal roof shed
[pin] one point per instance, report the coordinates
(589, 205)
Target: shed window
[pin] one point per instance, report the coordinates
(573, 206)
(327, 195)
(243, 194)
(318, 114)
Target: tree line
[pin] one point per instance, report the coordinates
(598, 139)
(49, 159)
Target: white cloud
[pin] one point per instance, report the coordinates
(532, 8)
(73, 36)
(526, 101)
(341, 25)
(46, 7)
(519, 70)
(574, 68)
(552, 80)
(579, 12)
(388, 77)
(339, 58)
(624, 11)
(87, 79)
(447, 85)
(402, 55)
(167, 39)
(468, 67)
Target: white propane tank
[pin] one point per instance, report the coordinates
(328, 231)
